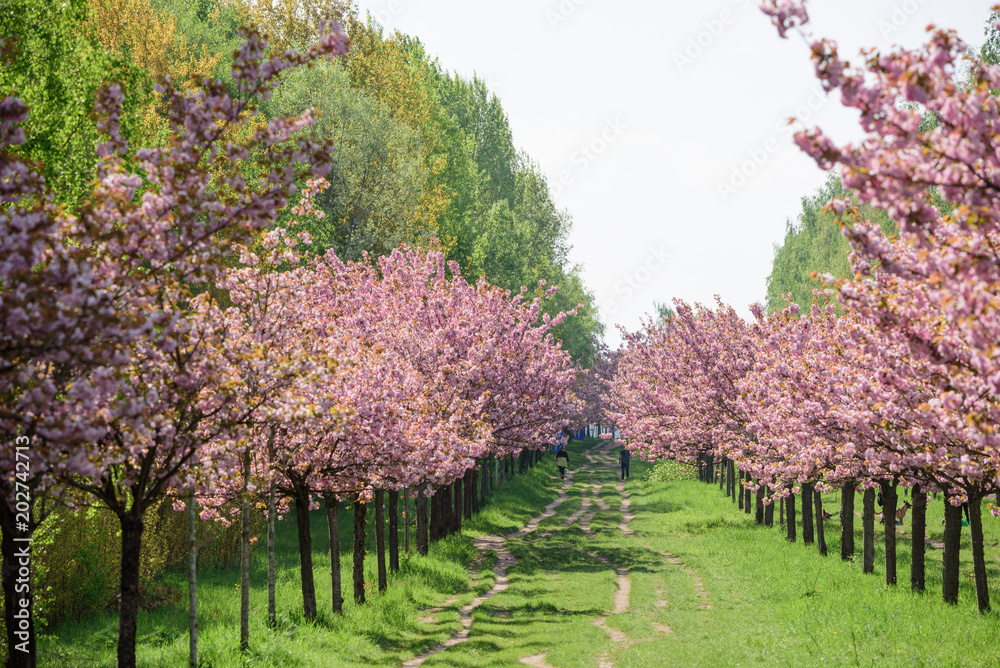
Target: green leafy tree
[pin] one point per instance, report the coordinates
(813, 245)
(378, 173)
(56, 68)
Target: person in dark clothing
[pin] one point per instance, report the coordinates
(562, 461)
(623, 459)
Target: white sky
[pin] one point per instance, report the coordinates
(638, 112)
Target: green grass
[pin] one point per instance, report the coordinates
(773, 603)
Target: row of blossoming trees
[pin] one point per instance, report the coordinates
(900, 385)
(124, 381)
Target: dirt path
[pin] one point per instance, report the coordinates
(591, 503)
(505, 560)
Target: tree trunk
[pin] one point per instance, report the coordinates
(868, 531)
(769, 510)
(245, 568)
(918, 527)
(333, 529)
(192, 581)
(820, 526)
(747, 496)
(889, 516)
(790, 518)
(394, 530)
(729, 477)
(978, 551)
(952, 551)
(458, 508)
(807, 514)
(420, 501)
(406, 520)
(847, 522)
(360, 509)
(468, 493)
(379, 501)
(781, 511)
(758, 517)
(305, 554)
(484, 475)
(474, 491)
(722, 473)
(437, 516)
(272, 562)
(739, 491)
(128, 614)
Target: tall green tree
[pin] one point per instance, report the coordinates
(813, 245)
(56, 66)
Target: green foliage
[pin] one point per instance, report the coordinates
(77, 558)
(209, 24)
(56, 69)
(814, 243)
(377, 176)
(668, 470)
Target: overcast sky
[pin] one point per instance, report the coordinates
(661, 126)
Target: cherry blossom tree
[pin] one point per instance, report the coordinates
(939, 185)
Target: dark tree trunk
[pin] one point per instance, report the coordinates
(19, 621)
(406, 520)
(781, 511)
(360, 510)
(192, 508)
(437, 516)
(722, 472)
(918, 527)
(484, 478)
(456, 515)
(758, 517)
(807, 514)
(739, 491)
(474, 491)
(747, 496)
(847, 522)
(790, 518)
(952, 551)
(769, 510)
(820, 526)
(333, 528)
(379, 501)
(709, 468)
(128, 614)
(394, 530)
(244, 566)
(468, 493)
(729, 477)
(889, 517)
(868, 531)
(978, 551)
(305, 554)
(420, 503)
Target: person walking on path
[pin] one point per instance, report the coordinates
(562, 461)
(623, 459)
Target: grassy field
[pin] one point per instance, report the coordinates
(706, 587)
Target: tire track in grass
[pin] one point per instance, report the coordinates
(505, 560)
